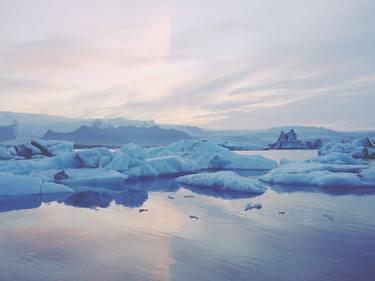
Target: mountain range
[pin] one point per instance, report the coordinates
(16, 126)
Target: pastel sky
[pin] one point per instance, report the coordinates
(241, 64)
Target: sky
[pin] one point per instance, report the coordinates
(233, 64)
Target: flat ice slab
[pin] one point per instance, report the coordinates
(226, 180)
(28, 185)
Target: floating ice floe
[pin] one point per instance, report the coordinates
(209, 155)
(5, 153)
(242, 146)
(336, 169)
(84, 176)
(28, 185)
(97, 176)
(225, 180)
(338, 158)
(358, 148)
(250, 206)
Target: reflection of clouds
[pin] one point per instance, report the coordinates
(82, 243)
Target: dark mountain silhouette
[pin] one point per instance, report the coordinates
(111, 136)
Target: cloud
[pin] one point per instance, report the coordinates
(216, 64)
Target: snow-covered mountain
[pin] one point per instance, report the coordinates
(117, 136)
(16, 125)
(24, 126)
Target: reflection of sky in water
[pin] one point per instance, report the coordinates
(103, 236)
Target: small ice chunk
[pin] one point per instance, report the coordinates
(250, 206)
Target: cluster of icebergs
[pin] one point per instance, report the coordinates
(55, 167)
(64, 167)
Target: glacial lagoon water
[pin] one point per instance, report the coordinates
(162, 231)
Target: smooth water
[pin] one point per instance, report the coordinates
(309, 234)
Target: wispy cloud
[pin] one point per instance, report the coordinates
(214, 63)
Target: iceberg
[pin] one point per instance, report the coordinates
(170, 165)
(11, 184)
(250, 206)
(242, 146)
(102, 166)
(98, 176)
(120, 162)
(134, 151)
(225, 180)
(335, 169)
(40, 147)
(5, 153)
(209, 155)
(358, 148)
(91, 157)
(289, 140)
(338, 158)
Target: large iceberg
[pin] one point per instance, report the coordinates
(225, 180)
(209, 155)
(335, 169)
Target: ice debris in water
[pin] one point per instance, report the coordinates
(250, 206)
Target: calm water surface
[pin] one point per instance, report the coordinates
(320, 234)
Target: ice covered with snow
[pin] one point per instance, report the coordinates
(209, 155)
(98, 176)
(231, 145)
(335, 169)
(28, 185)
(225, 180)
(91, 157)
(5, 153)
(338, 158)
(120, 162)
(102, 166)
(134, 151)
(56, 147)
(358, 148)
(171, 165)
(83, 176)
